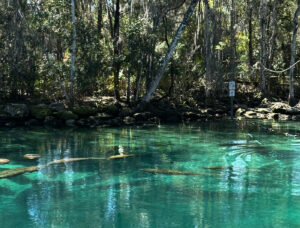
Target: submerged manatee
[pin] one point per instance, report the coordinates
(173, 172)
(4, 161)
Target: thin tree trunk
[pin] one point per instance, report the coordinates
(207, 50)
(128, 88)
(72, 75)
(167, 57)
(232, 42)
(117, 63)
(263, 54)
(293, 53)
(100, 18)
(272, 41)
(250, 33)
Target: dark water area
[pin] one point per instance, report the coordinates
(249, 176)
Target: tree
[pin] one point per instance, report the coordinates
(293, 53)
(173, 45)
(263, 50)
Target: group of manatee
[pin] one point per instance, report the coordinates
(19, 171)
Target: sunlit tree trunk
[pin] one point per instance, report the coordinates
(173, 45)
(293, 53)
(72, 75)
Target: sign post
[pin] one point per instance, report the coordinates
(231, 95)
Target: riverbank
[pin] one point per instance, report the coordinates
(108, 112)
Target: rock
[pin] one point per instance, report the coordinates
(104, 116)
(10, 124)
(32, 156)
(56, 107)
(240, 112)
(52, 121)
(40, 111)
(271, 116)
(128, 120)
(250, 114)
(66, 115)
(279, 107)
(111, 109)
(17, 111)
(4, 161)
(191, 116)
(126, 112)
(32, 122)
(284, 117)
(263, 110)
(265, 103)
(84, 111)
(70, 123)
(142, 116)
(116, 122)
(296, 117)
(81, 122)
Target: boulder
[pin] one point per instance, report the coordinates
(52, 121)
(66, 115)
(4, 161)
(279, 107)
(128, 120)
(250, 114)
(142, 116)
(240, 112)
(40, 111)
(56, 107)
(84, 111)
(70, 123)
(16, 111)
(32, 122)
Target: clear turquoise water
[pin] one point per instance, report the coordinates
(262, 189)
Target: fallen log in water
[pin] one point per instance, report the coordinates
(173, 172)
(121, 156)
(19, 171)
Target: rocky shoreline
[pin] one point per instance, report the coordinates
(111, 113)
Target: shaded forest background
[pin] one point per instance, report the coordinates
(72, 49)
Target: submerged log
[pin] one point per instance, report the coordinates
(4, 161)
(121, 156)
(173, 172)
(32, 156)
(19, 171)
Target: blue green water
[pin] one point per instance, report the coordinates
(259, 185)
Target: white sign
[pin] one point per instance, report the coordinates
(231, 93)
(232, 85)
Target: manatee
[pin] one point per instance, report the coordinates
(4, 161)
(32, 156)
(172, 172)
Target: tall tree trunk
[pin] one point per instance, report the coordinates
(72, 75)
(272, 41)
(232, 42)
(263, 52)
(100, 18)
(292, 101)
(250, 33)
(117, 63)
(167, 57)
(207, 38)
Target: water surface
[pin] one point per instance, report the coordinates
(257, 183)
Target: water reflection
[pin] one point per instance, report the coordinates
(258, 185)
